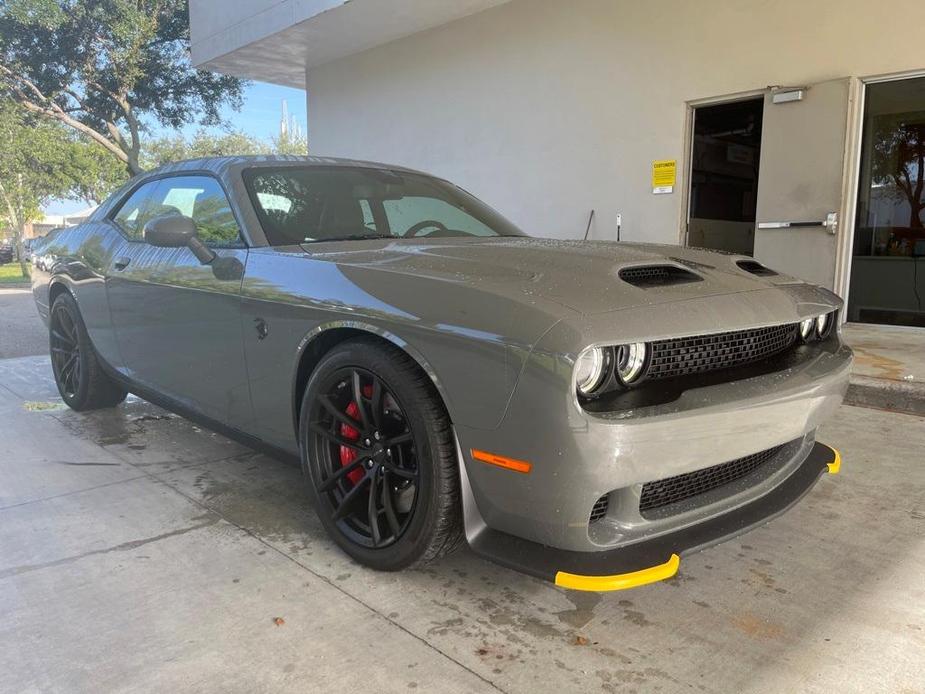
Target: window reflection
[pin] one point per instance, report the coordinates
(887, 283)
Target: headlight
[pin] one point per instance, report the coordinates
(822, 325)
(806, 329)
(631, 361)
(590, 369)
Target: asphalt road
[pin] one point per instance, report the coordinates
(22, 332)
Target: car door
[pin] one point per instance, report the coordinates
(177, 321)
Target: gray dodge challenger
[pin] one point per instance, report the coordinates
(584, 412)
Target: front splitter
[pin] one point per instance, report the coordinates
(652, 560)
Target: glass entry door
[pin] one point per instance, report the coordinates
(888, 267)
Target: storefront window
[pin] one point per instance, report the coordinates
(887, 284)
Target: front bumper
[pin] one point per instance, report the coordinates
(655, 559)
(577, 458)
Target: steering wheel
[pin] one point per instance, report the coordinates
(425, 224)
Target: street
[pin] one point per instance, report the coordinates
(22, 332)
(139, 552)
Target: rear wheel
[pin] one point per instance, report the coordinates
(378, 457)
(80, 379)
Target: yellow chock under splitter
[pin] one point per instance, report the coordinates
(835, 465)
(620, 581)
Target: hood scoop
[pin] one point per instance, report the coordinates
(646, 276)
(756, 268)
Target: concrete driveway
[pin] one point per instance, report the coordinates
(139, 552)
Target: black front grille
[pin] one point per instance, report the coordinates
(656, 275)
(671, 490)
(702, 353)
(600, 508)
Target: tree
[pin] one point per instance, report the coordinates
(208, 144)
(104, 68)
(289, 144)
(93, 172)
(164, 150)
(41, 160)
(899, 162)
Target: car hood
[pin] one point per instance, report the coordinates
(581, 275)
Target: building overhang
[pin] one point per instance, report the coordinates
(278, 40)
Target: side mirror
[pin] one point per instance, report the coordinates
(176, 231)
(169, 231)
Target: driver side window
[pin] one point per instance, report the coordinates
(405, 212)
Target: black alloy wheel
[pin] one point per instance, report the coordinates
(74, 362)
(379, 458)
(65, 350)
(369, 472)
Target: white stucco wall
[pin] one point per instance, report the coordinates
(547, 109)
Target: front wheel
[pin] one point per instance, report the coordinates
(80, 379)
(378, 457)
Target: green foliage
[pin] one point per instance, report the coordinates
(287, 144)
(167, 149)
(41, 160)
(35, 162)
(93, 172)
(104, 68)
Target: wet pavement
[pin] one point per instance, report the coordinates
(889, 367)
(139, 552)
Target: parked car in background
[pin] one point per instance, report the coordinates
(27, 249)
(6, 253)
(585, 412)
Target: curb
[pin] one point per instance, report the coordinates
(884, 394)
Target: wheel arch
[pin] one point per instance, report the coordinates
(56, 288)
(327, 336)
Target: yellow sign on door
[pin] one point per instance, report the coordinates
(664, 173)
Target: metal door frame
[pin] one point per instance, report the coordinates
(688, 162)
(853, 174)
(857, 94)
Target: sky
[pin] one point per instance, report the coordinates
(259, 117)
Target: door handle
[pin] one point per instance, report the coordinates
(830, 223)
(121, 263)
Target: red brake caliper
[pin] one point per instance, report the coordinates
(348, 455)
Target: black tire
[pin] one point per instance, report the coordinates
(80, 379)
(433, 525)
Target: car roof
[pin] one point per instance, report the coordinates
(221, 165)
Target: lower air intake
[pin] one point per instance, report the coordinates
(600, 509)
(671, 490)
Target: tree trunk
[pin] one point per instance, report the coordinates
(17, 237)
(132, 165)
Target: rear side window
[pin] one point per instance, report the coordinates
(133, 214)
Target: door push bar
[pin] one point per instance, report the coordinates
(830, 224)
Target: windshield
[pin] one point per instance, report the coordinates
(313, 203)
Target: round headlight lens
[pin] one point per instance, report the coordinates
(631, 361)
(806, 328)
(822, 324)
(590, 369)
